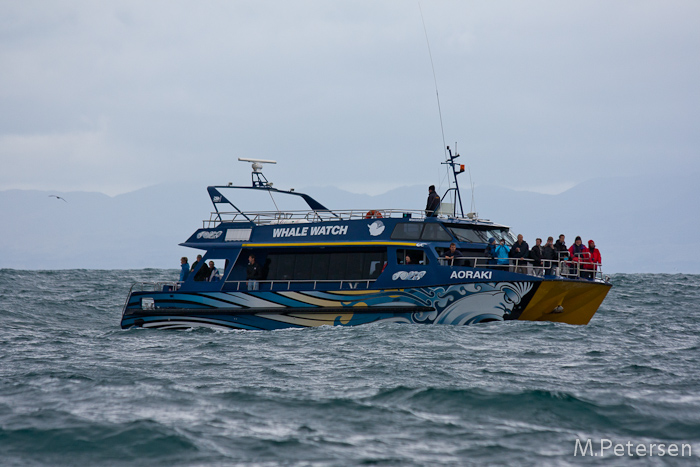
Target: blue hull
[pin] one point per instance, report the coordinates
(457, 304)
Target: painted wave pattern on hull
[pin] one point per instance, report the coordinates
(455, 304)
(469, 303)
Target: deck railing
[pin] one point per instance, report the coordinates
(570, 269)
(267, 285)
(303, 217)
(552, 268)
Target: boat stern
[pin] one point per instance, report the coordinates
(564, 301)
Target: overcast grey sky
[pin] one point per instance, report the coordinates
(116, 95)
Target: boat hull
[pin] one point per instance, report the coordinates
(572, 302)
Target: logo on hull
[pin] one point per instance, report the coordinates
(376, 228)
(408, 275)
(210, 235)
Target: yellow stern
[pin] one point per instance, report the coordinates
(571, 302)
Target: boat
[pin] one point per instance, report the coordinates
(319, 266)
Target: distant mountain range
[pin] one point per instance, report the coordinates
(640, 224)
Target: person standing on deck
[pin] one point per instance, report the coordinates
(579, 255)
(194, 265)
(519, 251)
(184, 269)
(537, 253)
(213, 272)
(252, 273)
(433, 203)
(452, 254)
(562, 254)
(502, 252)
(550, 256)
(594, 257)
(490, 251)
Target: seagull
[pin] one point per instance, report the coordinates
(57, 197)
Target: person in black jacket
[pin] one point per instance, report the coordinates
(550, 256)
(203, 273)
(452, 256)
(536, 254)
(560, 247)
(519, 251)
(433, 203)
(562, 254)
(194, 265)
(252, 273)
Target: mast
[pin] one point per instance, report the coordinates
(456, 170)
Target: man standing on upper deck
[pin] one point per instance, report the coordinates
(433, 204)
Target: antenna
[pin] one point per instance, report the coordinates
(257, 177)
(473, 212)
(437, 95)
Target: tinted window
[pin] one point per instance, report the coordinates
(499, 234)
(465, 234)
(338, 264)
(354, 265)
(436, 233)
(407, 231)
(285, 267)
(302, 266)
(319, 268)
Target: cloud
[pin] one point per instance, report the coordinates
(537, 94)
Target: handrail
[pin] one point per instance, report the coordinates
(352, 284)
(153, 286)
(571, 269)
(293, 217)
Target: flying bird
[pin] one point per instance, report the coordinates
(57, 197)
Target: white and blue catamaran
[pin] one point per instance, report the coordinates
(328, 267)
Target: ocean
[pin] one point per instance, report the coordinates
(75, 389)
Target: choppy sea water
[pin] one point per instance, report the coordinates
(75, 389)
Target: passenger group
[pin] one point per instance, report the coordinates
(545, 258)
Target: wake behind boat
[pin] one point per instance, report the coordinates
(327, 267)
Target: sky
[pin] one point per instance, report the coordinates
(112, 96)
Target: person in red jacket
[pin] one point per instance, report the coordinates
(579, 254)
(594, 254)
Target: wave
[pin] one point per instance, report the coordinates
(79, 441)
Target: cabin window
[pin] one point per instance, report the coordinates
(411, 257)
(407, 231)
(419, 231)
(465, 234)
(499, 234)
(339, 265)
(436, 233)
(481, 234)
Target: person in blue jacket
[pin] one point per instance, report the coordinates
(184, 269)
(502, 251)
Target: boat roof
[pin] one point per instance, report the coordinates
(318, 221)
(318, 212)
